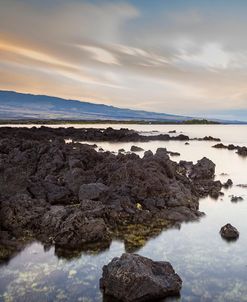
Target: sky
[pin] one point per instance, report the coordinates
(184, 57)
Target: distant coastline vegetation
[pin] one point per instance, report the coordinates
(83, 122)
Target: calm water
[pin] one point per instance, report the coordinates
(211, 268)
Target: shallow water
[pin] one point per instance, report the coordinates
(211, 268)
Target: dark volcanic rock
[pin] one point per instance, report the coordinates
(133, 278)
(242, 185)
(204, 169)
(92, 190)
(240, 150)
(229, 232)
(83, 134)
(136, 149)
(173, 153)
(208, 138)
(236, 198)
(71, 195)
(228, 184)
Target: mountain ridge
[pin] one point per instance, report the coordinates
(20, 106)
(25, 105)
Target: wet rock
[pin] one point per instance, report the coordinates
(83, 134)
(76, 230)
(219, 146)
(180, 137)
(91, 191)
(136, 149)
(240, 150)
(229, 232)
(236, 198)
(210, 138)
(135, 278)
(228, 184)
(57, 193)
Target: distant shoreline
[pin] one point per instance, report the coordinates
(83, 122)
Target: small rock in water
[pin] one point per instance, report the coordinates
(136, 149)
(135, 278)
(229, 232)
(242, 185)
(173, 153)
(236, 198)
(228, 184)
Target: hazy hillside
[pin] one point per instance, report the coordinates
(20, 106)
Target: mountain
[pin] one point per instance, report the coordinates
(15, 105)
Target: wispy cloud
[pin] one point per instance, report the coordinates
(172, 58)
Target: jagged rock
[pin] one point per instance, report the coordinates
(92, 191)
(242, 185)
(236, 198)
(136, 149)
(57, 192)
(229, 232)
(204, 169)
(228, 184)
(133, 278)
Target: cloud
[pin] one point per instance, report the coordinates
(177, 59)
(100, 54)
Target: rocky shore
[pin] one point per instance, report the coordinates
(93, 134)
(73, 197)
(239, 150)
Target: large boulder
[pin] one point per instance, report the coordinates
(133, 278)
(229, 232)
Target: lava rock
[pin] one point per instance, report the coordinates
(204, 169)
(133, 278)
(228, 184)
(91, 191)
(229, 232)
(136, 149)
(236, 198)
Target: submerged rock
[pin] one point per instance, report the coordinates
(133, 278)
(229, 232)
(242, 185)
